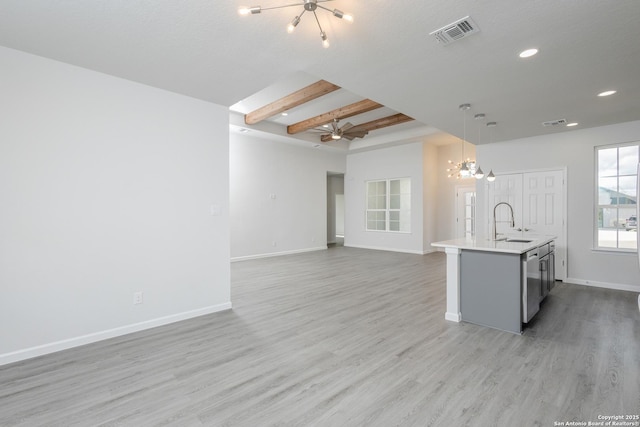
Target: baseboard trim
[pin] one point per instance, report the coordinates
(453, 317)
(375, 248)
(272, 254)
(53, 347)
(606, 285)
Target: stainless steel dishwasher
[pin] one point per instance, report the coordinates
(531, 278)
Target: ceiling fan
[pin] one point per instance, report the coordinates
(347, 131)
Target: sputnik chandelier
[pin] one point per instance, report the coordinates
(308, 6)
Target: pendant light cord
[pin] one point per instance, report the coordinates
(464, 131)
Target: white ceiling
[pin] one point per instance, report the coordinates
(204, 49)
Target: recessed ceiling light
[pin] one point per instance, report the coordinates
(607, 93)
(572, 124)
(528, 53)
(285, 114)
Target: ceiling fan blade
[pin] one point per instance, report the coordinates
(357, 134)
(346, 127)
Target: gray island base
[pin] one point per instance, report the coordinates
(494, 283)
(490, 289)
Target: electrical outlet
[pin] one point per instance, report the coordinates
(137, 298)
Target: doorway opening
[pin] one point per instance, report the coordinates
(335, 209)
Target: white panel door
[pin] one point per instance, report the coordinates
(543, 211)
(542, 203)
(537, 199)
(506, 188)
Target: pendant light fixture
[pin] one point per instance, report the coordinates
(307, 6)
(466, 168)
(491, 177)
(480, 116)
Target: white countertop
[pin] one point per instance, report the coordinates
(488, 245)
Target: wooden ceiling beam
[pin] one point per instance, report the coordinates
(339, 113)
(384, 122)
(299, 97)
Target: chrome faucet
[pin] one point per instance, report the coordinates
(512, 222)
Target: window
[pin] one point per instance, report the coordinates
(466, 211)
(616, 222)
(389, 205)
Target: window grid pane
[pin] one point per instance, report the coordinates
(389, 205)
(616, 222)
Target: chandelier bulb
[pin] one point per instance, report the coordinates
(293, 24)
(340, 14)
(325, 40)
(249, 10)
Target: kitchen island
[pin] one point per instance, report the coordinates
(495, 283)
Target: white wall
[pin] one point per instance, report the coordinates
(430, 173)
(295, 219)
(575, 150)
(395, 162)
(106, 188)
(340, 212)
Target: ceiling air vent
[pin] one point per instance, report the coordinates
(555, 122)
(455, 31)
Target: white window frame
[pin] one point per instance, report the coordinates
(597, 206)
(403, 213)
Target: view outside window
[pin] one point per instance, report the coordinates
(617, 226)
(389, 205)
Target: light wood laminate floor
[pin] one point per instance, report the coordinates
(343, 337)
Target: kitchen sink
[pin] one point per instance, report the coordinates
(519, 241)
